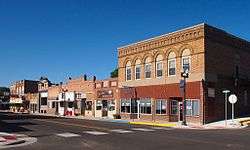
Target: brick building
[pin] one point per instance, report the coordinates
(106, 101)
(4, 98)
(43, 85)
(18, 94)
(76, 97)
(150, 73)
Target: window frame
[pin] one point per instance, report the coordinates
(189, 62)
(177, 106)
(126, 73)
(138, 66)
(166, 104)
(192, 107)
(156, 69)
(145, 71)
(145, 106)
(172, 59)
(125, 106)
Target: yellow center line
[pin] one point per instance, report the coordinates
(74, 124)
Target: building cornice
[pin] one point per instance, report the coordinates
(182, 35)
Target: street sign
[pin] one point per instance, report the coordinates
(232, 98)
(182, 84)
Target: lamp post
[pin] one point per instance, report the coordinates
(185, 75)
(226, 93)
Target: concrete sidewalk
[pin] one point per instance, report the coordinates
(8, 140)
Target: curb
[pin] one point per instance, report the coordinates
(153, 124)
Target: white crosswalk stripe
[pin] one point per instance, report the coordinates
(95, 132)
(143, 129)
(67, 134)
(121, 131)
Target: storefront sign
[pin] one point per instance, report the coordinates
(16, 101)
(105, 94)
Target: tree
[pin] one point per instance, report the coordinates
(114, 73)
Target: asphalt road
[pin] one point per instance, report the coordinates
(69, 134)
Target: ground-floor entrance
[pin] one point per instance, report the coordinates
(105, 108)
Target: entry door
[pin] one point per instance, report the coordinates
(180, 111)
(104, 108)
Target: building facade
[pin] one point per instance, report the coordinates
(150, 74)
(43, 85)
(4, 98)
(106, 101)
(76, 97)
(18, 93)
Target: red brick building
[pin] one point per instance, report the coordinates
(150, 74)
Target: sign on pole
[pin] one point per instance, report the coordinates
(232, 99)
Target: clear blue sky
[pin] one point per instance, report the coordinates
(61, 38)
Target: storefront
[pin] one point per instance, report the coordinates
(161, 103)
(105, 104)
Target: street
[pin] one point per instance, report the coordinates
(62, 133)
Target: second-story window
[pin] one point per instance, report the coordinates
(147, 68)
(186, 64)
(186, 60)
(159, 66)
(137, 69)
(171, 64)
(128, 71)
(171, 67)
(137, 72)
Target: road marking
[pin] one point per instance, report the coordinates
(67, 134)
(121, 131)
(95, 132)
(143, 129)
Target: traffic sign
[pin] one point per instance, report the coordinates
(232, 98)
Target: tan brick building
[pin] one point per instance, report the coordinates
(150, 73)
(106, 98)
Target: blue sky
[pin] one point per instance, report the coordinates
(62, 38)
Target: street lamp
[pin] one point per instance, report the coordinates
(226, 93)
(185, 75)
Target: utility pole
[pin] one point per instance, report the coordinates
(226, 94)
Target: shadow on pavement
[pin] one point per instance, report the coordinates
(12, 122)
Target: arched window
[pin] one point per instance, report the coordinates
(186, 60)
(147, 68)
(137, 69)
(159, 66)
(171, 64)
(128, 71)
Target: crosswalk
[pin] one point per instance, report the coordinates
(118, 131)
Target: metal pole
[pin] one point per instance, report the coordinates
(233, 113)
(184, 103)
(225, 109)
(138, 109)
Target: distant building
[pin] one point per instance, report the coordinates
(18, 92)
(43, 86)
(4, 98)
(150, 74)
(76, 97)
